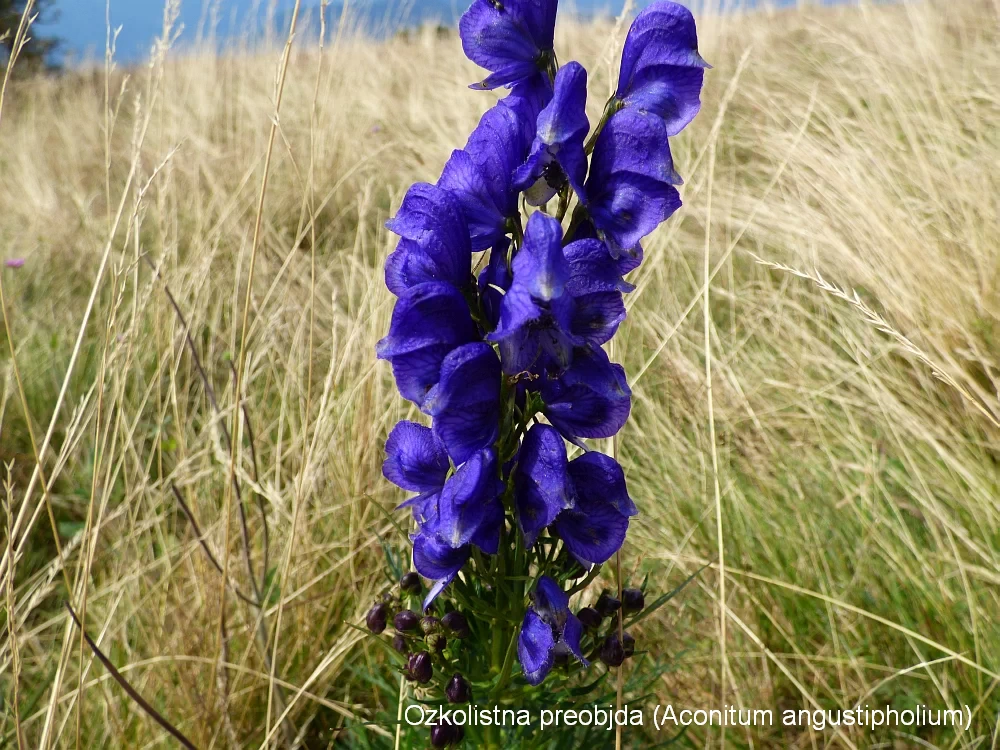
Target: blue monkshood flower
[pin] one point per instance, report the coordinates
(591, 399)
(481, 175)
(451, 512)
(435, 242)
(661, 69)
(560, 299)
(585, 500)
(557, 154)
(510, 38)
(541, 482)
(430, 320)
(549, 630)
(465, 403)
(630, 190)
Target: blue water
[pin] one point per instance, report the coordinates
(81, 23)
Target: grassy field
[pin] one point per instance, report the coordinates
(841, 197)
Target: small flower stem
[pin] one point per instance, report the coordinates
(614, 104)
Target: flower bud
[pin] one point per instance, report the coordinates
(399, 643)
(436, 642)
(459, 690)
(377, 617)
(628, 644)
(406, 620)
(589, 618)
(456, 624)
(410, 583)
(446, 735)
(612, 653)
(419, 668)
(607, 605)
(430, 625)
(633, 600)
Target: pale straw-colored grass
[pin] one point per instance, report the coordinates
(849, 229)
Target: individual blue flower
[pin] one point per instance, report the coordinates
(596, 285)
(595, 527)
(429, 321)
(630, 190)
(510, 38)
(661, 69)
(451, 512)
(435, 244)
(465, 403)
(557, 154)
(480, 176)
(537, 312)
(541, 483)
(549, 630)
(591, 399)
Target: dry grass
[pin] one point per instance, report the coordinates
(856, 436)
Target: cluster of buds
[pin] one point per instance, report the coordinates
(610, 648)
(417, 638)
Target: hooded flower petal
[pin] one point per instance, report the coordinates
(661, 70)
(429, 321)
(429, 210)
(510, 38)
(480, 176)
(435, 244)
(415, 459)
(592, 269)
(557, 154)
(468, 499)
(436, 560)
(535, 648)
(541, 484)
(465, 403)
(630, 190)
(537, 314)
(595, 528)
(591, 399)
(570, 638)
(550, 601)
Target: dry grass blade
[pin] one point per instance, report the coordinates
(131, 691)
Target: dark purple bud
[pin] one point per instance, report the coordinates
(411, 584)
(430, 625)
(459, 690)
(607, 605)
(406, 620)
(590, 618)
(419, 668)
(377, 617)
(456, 624)
(633, 600)
(436, 642)
(628, 644)
(399, 643)
(446, 735)
(612, 653)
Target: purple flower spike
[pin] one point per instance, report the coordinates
(429, 321)
(549, 630)
(557, 154)
(630, 190)
(661, 70)
(14, 262)
(510, 38)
